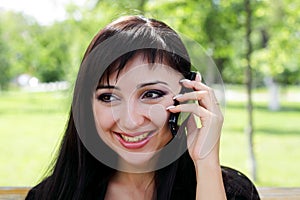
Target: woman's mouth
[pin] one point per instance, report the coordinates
(134, 142)
(135, 138)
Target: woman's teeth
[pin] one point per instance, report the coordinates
(135, 138)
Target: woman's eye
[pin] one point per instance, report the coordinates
(153, 94)
(107, 97)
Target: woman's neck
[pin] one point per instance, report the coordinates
(128, 186)
(135, 180)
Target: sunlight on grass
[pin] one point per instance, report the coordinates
(31, 124)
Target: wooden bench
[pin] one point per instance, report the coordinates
(279, 193)
(13, 193)
(266, 193)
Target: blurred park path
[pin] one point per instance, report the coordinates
(237, 95)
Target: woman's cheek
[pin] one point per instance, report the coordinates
(158, 115)
(104, 119)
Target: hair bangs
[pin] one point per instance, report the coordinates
(151, 56)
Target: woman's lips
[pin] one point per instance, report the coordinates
(134, 142)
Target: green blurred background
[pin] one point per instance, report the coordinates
(39, 62)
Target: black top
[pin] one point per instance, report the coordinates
(237, 187)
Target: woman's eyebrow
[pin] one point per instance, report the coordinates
(151, 83)
(107, 87)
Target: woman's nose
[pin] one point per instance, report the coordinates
(131, 116)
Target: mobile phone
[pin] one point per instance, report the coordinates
(173, 119)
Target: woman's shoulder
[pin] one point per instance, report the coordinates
(238, 186)
(42, 191)
(31, 194)
(35, 192)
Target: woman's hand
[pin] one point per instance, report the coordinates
(203, 142)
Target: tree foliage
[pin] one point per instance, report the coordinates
(53, 52)
(278, 56)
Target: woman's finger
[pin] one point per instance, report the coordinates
(204, 94)
(195, 95)
(195, 85)
(189, 108)
(205, 99)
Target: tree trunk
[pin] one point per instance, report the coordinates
(249, 127)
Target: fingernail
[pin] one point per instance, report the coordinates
(184, 80)
(170, 107)
(176, 96)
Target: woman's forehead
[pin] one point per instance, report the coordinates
(144, 72)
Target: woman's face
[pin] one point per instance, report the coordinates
(130, 112)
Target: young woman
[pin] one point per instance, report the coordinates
(123, 139)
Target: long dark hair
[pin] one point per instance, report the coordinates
(76, 173)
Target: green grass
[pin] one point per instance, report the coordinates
(31, 125)
(276, 142)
